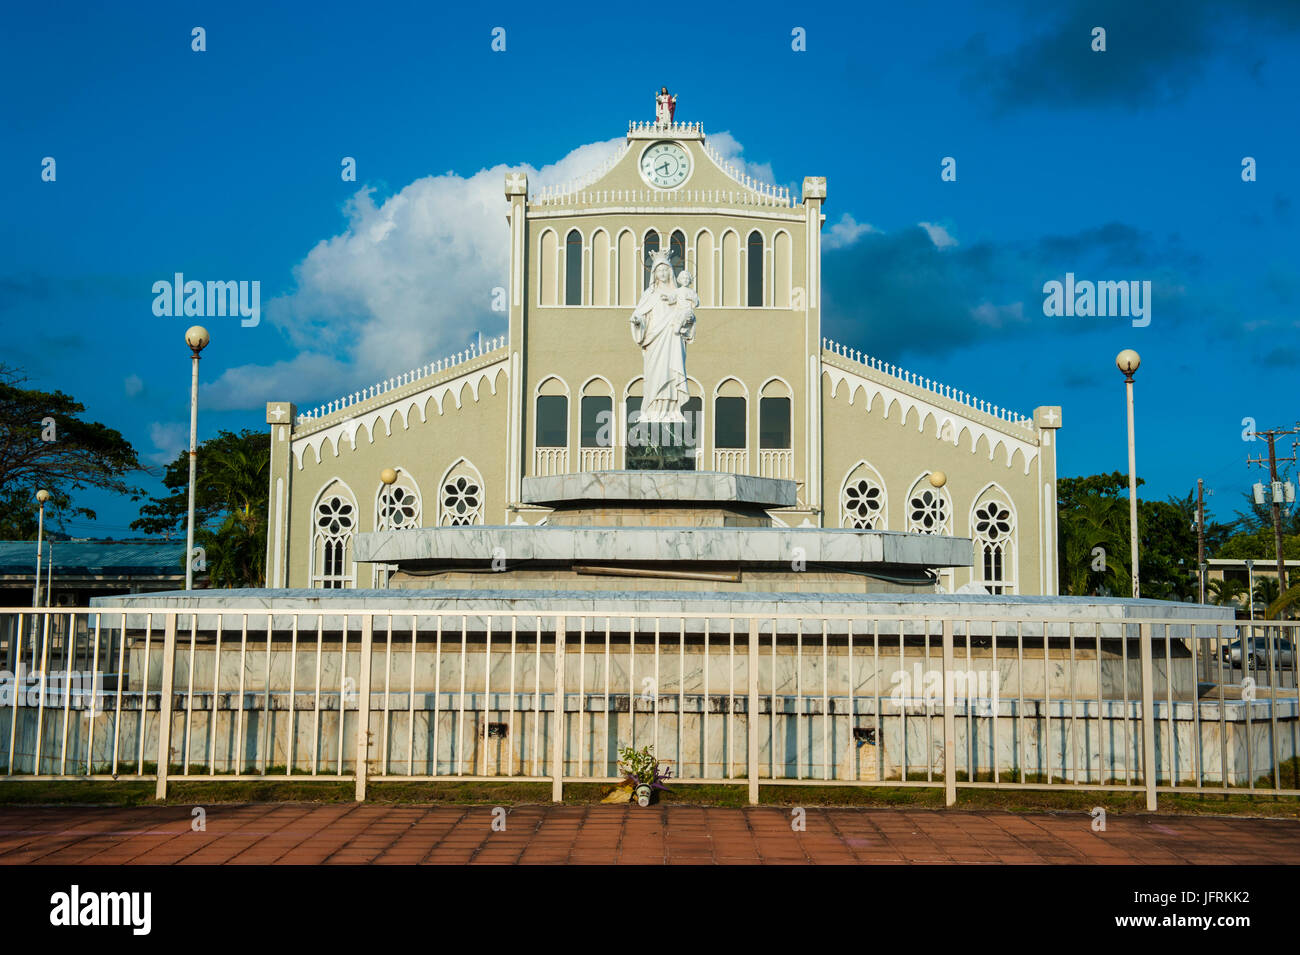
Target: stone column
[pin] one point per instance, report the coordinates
(814, 194)
(280, 416)
(1047, 420)
(517, 195)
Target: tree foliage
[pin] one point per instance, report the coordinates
(46, 442)
(1093, 521)
(230, 505)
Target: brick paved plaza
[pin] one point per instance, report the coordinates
(304, 834)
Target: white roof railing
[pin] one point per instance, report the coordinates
(475, 350)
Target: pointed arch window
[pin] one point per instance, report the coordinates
(928, 509)
(993, 526)
(754, 299)
(677, 252)
(649, 247)
(864, 505)
(573, 268)
(333, 524)
(461, 499)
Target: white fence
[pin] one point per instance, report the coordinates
(1151, 705)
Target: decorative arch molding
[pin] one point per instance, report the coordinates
(766, 390)
(872, 392)
(462, 495)
(742, 389)
(548, 386)
(586, 390)
(864, 498)
(419, 402)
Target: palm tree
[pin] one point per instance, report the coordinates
(1225, 591)
(1266, 590)
(237, 549)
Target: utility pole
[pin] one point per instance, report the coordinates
(1276, 494)
(1200, 535)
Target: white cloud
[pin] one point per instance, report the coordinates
(250, 386)
(132, 385)
(169, 440)
(730, 149)
(845, 232)
(408, 281)
(999, 316)
(938, 235)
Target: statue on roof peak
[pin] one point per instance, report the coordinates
(665, 107)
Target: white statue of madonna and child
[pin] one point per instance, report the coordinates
(663, 325)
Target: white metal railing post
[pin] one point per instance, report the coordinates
(164, 706)
(949, 720)
(751, 715)
(363, 705)
(1148, 718)
(557, 731)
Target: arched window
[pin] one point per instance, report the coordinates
(648, 248)
(693, 411)
(597, 421)
(755, 277)
(729, 422)
(397, 505)
(573, 268)
(863, 502)
(928, 508)
(552, 421)
(460, 497)
(993, 527)
(333, 523)
(774, 423)
(677, 252)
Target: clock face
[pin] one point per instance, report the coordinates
(665, 165)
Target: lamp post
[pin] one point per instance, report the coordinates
(1128, 361)
(42, 496)
(197, 338)
(937, 480)
(1250, 594)
(388, 476)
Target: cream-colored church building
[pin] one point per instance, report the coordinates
(769, 396)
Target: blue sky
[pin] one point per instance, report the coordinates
(224, 164)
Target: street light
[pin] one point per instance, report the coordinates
(42, 496)
(197, 337)
(1128, 361)
(1250, 593)
(388, 476)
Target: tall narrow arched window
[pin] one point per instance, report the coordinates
(774, 423)
(755, 277)
(729, 423)
(552, 421)
(649, 247)
(993, 527)
(573, 268)
(677, 252)
(334, 520)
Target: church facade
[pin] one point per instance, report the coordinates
(764, 393)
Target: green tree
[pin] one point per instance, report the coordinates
(1093, 522)
(1225, 591)
(46, 442)
(230, 505)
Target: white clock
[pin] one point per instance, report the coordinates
(665, 165)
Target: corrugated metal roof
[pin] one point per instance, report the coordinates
(95, 557)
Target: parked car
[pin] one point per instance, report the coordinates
(1258, 653)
